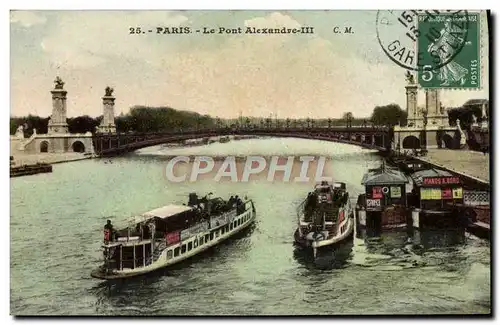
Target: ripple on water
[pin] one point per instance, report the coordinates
(55, 236)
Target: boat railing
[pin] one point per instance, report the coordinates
(300, 209)
(248, 204)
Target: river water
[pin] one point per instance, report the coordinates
(56, 230)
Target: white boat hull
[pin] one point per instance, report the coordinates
(167, 257)
(315, 243)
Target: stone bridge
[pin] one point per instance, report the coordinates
(112, 144)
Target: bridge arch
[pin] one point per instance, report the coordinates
(448, 141)
(44, 146)
(411, 142)
(116, 144)
(78, 146)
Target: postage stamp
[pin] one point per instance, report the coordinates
(449, 45)
(443, 47)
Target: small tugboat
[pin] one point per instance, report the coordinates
(325, 217)
(171, 234)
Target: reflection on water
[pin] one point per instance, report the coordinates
(55, 239)
(398, 249)
(332, 257)
(426, 238)
(128, 290)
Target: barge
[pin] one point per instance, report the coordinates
(384, 204)
(23, 170)
(437, 200)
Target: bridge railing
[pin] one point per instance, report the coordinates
(248, 130)
(365, 137)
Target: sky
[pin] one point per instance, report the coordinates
(320, 75)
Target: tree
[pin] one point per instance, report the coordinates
(388, 115)
(268, 122)
(348, 117)
(30, 123)
(82, 124)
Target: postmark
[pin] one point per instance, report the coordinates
(430, 43)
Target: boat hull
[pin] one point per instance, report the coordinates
(437, 219)
(326, 243)
(164, 262)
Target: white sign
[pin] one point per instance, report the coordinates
(223, 219)
(218, 221)
(373, 203)
(200, 227)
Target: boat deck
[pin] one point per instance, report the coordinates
(482, 225)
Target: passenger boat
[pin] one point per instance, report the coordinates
(171, 234)
(325, 217)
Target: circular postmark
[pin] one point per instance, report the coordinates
(422, 39)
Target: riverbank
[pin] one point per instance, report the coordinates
(472, 164)
(473, 169)
(48, 158)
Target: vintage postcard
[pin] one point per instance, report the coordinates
(254, 163)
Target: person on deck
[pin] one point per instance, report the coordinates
(308, 206)
(109, 230)
(239, 205)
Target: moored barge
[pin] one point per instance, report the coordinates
(170, 234)
(384, 203)
(437, 199)
(23, 170)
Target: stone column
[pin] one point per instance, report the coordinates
(432, 103)
(411, 104)
(57, 122)
(435, 116)
(108, 120)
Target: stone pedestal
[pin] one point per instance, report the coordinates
(108, 120)
(57, 122)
